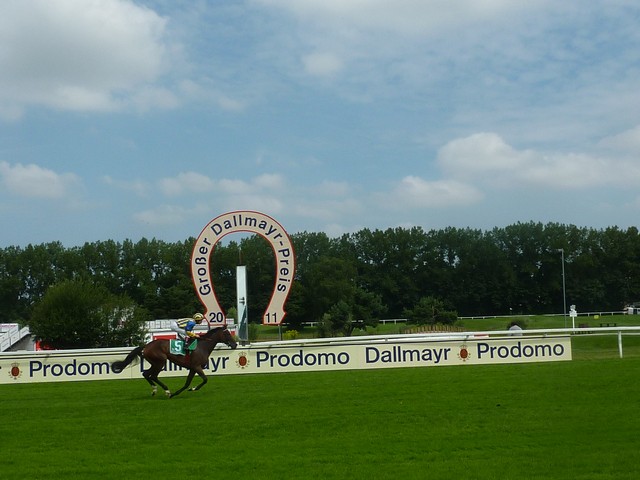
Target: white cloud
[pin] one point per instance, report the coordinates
(269, 204)
(261, 193)
(86, 55)
(265, 193)
(480, 152)
(328, 201)
(486, 159)
(327, 209)
(415, 192)
(333, 189)
(206, 91)
(233, 187)
(409, 17)
(257, 185)
(378, 48)
(635, 203)
(335, 230)
(269, 181)
(322, 64)
(164, 215)
(186, 183)
(627, 141)
(33, 181)
(149, 97)
(139, 187)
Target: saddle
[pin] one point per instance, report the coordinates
(176, 346)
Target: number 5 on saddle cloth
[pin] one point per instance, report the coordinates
(176, 346)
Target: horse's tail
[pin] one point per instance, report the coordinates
(117, 367)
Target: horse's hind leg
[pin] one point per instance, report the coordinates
(147, 376)
(164, 387)
(151, 375)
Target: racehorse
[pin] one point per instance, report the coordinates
(157, 353)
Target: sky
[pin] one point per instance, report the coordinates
(124, 119)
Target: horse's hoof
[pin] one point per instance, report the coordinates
(168, 393)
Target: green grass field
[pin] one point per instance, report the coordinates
(566, 420)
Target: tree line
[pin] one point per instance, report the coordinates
(351, 280)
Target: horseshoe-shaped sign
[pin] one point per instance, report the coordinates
(243, 221)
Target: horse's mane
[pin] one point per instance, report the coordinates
(213, 331)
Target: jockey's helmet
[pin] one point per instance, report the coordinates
(198, 317)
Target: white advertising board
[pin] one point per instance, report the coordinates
(282, 357)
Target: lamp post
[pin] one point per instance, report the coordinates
(564, 290)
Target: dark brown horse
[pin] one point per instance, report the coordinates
(157, 353)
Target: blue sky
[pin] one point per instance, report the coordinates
(127, 119)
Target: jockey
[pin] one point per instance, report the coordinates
(184, 327)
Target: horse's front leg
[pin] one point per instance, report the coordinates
(202, 375)
(186, 385)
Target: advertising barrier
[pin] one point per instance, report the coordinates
(295, 356)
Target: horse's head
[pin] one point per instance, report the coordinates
(221, 335)
(227, 338)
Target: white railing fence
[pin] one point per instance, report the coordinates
(461, 336)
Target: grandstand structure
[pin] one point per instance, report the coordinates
(13, 336)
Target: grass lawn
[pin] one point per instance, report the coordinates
(565, 420)
(270, 333)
